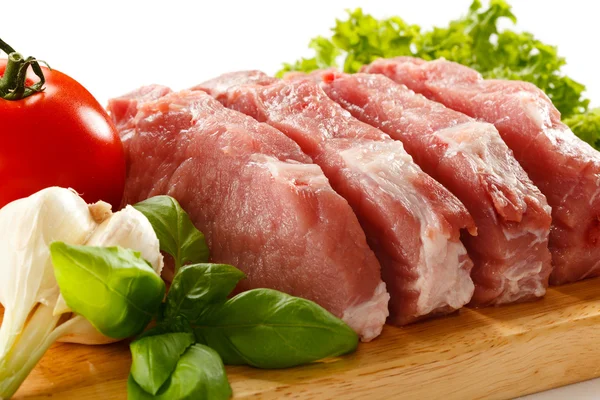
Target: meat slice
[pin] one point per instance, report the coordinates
(565, 168)
(411, 221)
(123, 110)
(219, 86)
(510, 253)
(263, 206)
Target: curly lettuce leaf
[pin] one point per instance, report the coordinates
(363, 38)
(468, 40)
(326, 54)
(359, 40)
(474, 40)
(586, 126)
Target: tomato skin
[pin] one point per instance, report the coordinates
(59, 137)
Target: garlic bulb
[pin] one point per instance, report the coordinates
(34, 308)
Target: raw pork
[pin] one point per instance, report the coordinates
(263, 206)
(123, 110)
(219, 86)
(510, 253)
(411, 221)
(565, 168)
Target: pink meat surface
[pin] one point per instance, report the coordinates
(510, 253)
(565, 168)
(263, 206)
(123, 109)
(411, 221)
(219, 86)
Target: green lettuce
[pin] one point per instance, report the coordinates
(473, 40)
(586, 126)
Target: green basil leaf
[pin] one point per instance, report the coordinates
(155, 358)
(113, 288)
(175, 231)
(199, 375)
(159, 330)
(197, 285)
(269, 329)
(178, 324)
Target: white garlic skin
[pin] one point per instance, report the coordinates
(27, 227)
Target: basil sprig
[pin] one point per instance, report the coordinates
(197, 326)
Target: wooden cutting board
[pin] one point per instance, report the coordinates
(494, 353)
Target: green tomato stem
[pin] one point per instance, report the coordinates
(8, 82)
(13, 84)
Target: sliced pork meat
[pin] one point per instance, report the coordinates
(510, 253)
(219, 86)
(123, 109)
(411, 221)
(565, 168)
(262, 204)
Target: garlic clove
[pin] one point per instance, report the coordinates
(130, 229)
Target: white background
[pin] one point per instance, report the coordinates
(112, 47)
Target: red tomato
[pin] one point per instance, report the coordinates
(59, 137)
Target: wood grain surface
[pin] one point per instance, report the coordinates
(494, 353)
